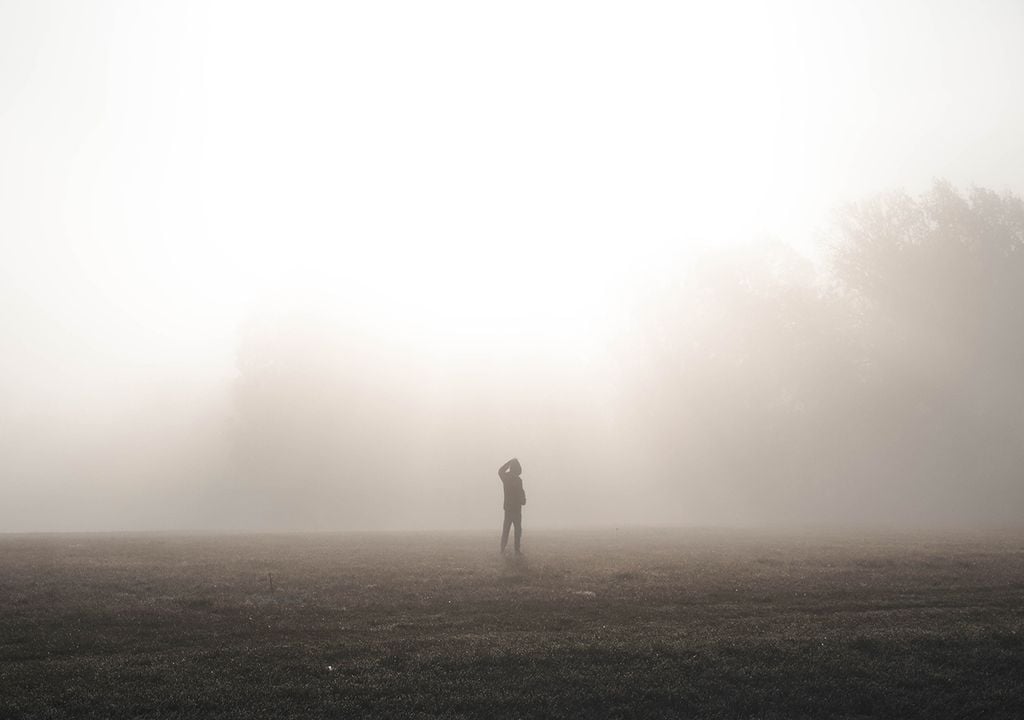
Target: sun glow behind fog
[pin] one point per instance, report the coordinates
(466, 174)
(450, 175)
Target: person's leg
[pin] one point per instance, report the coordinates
(518, 520)
(504, 531)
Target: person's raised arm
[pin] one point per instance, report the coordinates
(505, 471)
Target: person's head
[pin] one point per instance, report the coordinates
(515, 467)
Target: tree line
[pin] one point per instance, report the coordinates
(882, 384)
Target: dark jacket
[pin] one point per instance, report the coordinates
(515, 496)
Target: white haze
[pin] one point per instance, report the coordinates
(327, 265)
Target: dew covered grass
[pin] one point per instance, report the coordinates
(617, 623)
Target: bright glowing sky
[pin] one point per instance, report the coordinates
(453, 173)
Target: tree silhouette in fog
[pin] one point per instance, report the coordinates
(320, 426)
(886, 387)
(939, 275)
(883, 384)
(936, 284)
(335, 427)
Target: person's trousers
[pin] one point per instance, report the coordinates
(512, 517)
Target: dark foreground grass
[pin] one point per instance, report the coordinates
(614, 624)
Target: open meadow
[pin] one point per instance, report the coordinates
(616, 623)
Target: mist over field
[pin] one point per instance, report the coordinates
(329, 268)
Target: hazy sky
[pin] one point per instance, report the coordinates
(452, 174)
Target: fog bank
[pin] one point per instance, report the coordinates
(322, 266)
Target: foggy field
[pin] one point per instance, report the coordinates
(297, 297)
(620, 623)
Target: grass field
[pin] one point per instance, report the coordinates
(655, 623)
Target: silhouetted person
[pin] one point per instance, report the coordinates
(515, 498)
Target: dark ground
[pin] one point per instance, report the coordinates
(657, 623)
